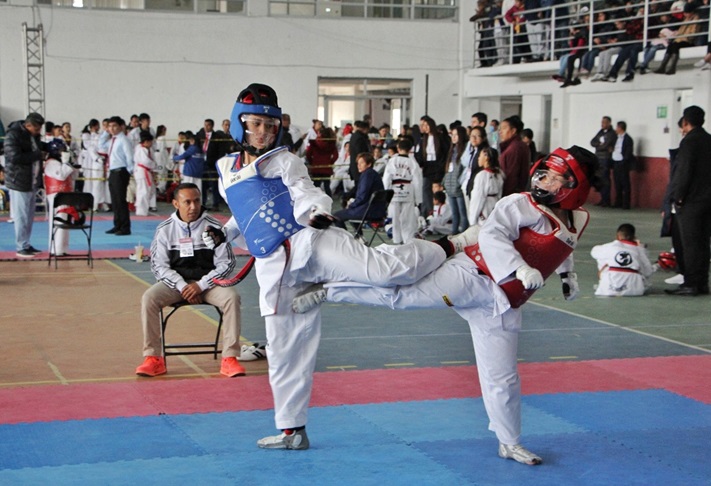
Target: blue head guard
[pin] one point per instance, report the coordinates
(255, 99)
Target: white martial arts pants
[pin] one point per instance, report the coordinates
(293, 339)
(61, 238)
(477, 299)
(404, 216)
(145, 195)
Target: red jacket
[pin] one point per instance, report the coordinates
(515, 160)
(321, 154)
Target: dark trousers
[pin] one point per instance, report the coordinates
(695, 227)
(118, 185)
(605, 166)
(427, 197)
(630, 52)
(677, 244)
(210, 184)
(621, 173)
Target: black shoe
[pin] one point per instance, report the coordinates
(628, 78)
(642, 70)
(566, 84)
(25, 254)
(122, 233)
(33, 250)
(576, 81)
(111, 231)
(683, 290)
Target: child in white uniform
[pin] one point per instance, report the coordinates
(488, 187)
(143, 174)
(623, 265)
(404, 176)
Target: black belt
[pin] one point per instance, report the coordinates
(401, 181)
(120, 168)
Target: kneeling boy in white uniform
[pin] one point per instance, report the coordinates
(622, 265)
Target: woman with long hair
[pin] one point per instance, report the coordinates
(452, 173)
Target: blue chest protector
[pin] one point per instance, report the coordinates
(262, 207)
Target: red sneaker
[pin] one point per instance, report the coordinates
(152, 366)
(231, 368)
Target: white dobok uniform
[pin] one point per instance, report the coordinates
(94, 169)
(307, 256)
(486, 192)
(481, 300)
(143, 174)
(440, 221)
(623, 267)
(58, 177)
(403, 175)
(164, 165)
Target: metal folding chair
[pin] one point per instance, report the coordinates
(376, 224)
(211, 347)
(83, 204)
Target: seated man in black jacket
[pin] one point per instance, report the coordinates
(184, 268)
(368, 182)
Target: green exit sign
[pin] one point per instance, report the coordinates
(661, 111)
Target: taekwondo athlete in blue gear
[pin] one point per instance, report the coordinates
(284, 221)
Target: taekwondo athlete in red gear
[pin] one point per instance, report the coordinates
(284, 221)
(526, 238)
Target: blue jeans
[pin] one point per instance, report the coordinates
(23, 213)
(459, 214)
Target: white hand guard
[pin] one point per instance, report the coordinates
(530, 277)
(571, 289)
(213, 237)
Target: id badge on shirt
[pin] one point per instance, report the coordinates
(186, 247)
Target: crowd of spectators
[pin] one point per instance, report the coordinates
(515, 31)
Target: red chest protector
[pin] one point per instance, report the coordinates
(544, 252)
(53, 186)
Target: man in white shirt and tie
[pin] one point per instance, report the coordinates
(119, 150)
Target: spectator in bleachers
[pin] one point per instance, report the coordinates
(705, 63)
(660, 36)
(631, 42)
(685, 37)
(601, 34)
(517, 19)
(578, 47)
(605, 58)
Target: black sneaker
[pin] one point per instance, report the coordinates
(628, 78)
(25, 254)
(33, 250)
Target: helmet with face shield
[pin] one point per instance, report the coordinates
(255, 123)
(563, 178)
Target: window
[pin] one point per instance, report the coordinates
(197, 6)
(386, 9)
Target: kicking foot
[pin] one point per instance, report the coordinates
(468, 238)
(310, 298)
(519, 454)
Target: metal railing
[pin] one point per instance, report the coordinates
(547, 37)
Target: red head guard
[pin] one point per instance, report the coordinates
(571, 195)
